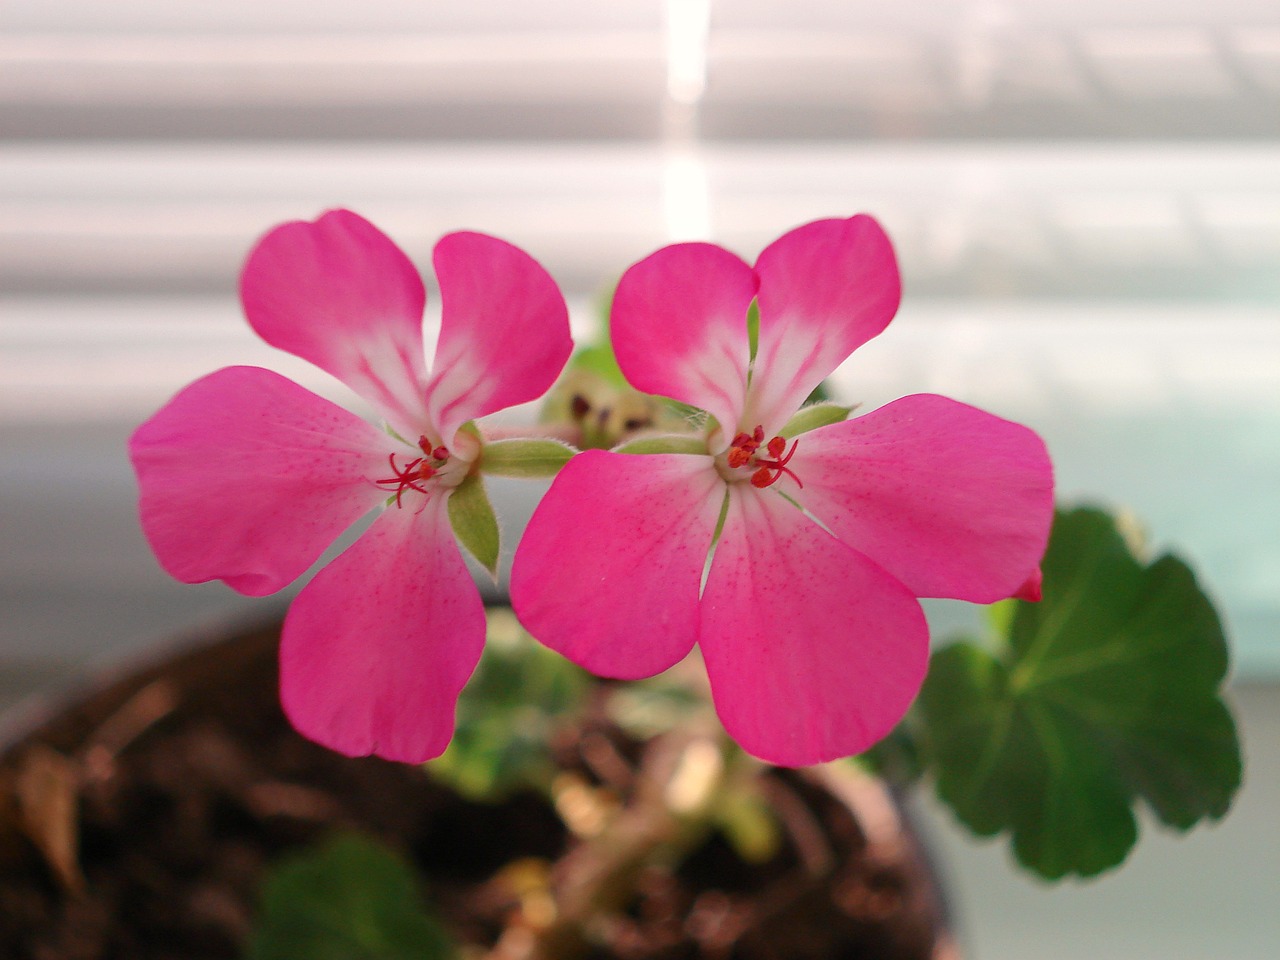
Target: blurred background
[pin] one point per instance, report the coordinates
(1085, 199)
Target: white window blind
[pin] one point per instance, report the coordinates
(1085, 198)
(1084, 195)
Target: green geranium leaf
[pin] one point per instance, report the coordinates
(598, 359)
(1103, 694)
(525, 457)
(474, 522)
(351, 898)
(507, 714)
(896, 758)
(749, 823)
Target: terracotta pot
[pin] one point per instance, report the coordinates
(137, 819)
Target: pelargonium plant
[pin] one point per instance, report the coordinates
(786, 540)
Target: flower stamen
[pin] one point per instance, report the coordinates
(416, 472)
(771, 471)
(744, 452)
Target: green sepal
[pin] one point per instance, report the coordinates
(814, 416)
(525, 457)
(474, 522)
(671, 443)
(1104, 694)
(819, 394)
(350, 898)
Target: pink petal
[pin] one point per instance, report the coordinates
(339, 293)
(679, 326)
(813, 651)
(1032, 589)
(377, 647)
(504, 335)
(826, 288)
(610, 565)
(247, 477)
(952, 501)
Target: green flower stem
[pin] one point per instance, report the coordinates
(564, 432)
(540, 451)
(678, 787)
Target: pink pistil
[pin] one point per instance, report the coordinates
(771, 471)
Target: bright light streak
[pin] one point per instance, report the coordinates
(688, 23)
(686, 199)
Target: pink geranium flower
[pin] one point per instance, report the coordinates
(247, 477)
(806, 613)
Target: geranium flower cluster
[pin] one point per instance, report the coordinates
(790, 544)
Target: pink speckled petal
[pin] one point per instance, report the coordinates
(610, 565)
(378, 646)
(339, 293)
(679, 327)
(826, 288)
(246, 477)
(813, 651)
(951, 500)
(504, 334)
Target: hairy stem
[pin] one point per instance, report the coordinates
(679, 776)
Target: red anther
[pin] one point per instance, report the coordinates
(763, 478)
(743, 448)
(758, 435)
(790, 453)
(435, 453)
(776, 446)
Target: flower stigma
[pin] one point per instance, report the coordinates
(744, 452)
(436, 464)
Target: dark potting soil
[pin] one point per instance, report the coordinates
(185, 783)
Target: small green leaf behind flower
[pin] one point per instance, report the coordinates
(350, 898)
(507, 715)
(1105, 693)
(598, 359)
